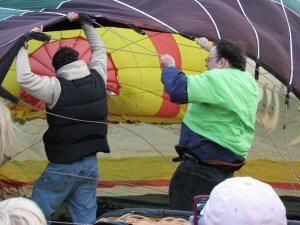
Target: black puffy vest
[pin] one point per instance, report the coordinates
(67, 140)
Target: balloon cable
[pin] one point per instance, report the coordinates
(272, 142)
(99, 122)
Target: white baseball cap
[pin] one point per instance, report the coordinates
(243, 201)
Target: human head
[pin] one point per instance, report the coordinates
(226, 54)
(6, 129)
(243, 201)
(64, 56)
(21, 211)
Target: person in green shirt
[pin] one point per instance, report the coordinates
(218, 128)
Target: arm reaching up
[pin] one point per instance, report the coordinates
(98, 60)
(204, 43)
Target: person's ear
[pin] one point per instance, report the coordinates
(221, 63)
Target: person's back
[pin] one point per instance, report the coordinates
(83, 97)
(20, 211)
(76, 103)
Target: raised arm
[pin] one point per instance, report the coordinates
(98, 60)
(175, 80)
(204, 43)
(44, 88)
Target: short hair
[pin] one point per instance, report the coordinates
(7, 127)
(64, 56)
(232, 52)
(21, 211)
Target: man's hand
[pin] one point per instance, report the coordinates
(204, 43)
(72, 16)
(37, 29)
(167, 60)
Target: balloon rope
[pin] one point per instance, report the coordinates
(131, 43)
(122, 50)
(155, 36)
(272, 142)
(123, 127)
(264, 74)
(150, 50)
(106, 123)
(26, 149)
(142, 53)
(280, 93)
(287, 142)
(178, 43)
(124, 183)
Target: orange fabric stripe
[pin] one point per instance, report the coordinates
(138, 183)
(286, 186)
(166, 44)
(9, 183)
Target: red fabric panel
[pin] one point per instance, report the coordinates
(112, 79)
(41, 64)
(168, 109)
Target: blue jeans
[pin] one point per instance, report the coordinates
(68, 184)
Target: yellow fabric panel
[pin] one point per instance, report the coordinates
(139, 74)
(137, 168)
(70, 33)
(269, 171)
(141, 93)
(179, 117)
(144, 168)
(192, 56)
(127, 54)
(34, 45)
(24, 171)
(56, 35)
(24, 112)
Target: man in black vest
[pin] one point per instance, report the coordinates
(78, 93)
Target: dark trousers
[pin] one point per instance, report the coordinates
(191, 179)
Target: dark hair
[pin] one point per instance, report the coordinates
(64, 56)
(232, 52)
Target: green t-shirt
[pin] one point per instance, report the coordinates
(223, 104)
